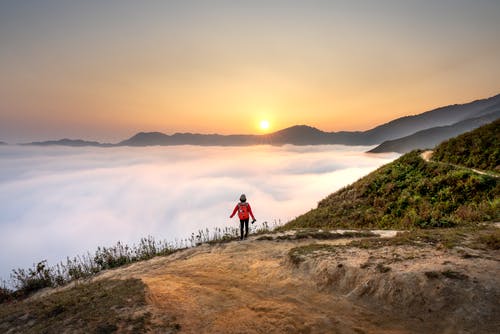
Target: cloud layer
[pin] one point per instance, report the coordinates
(57, 202)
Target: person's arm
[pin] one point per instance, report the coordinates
(250, 211)
(234, 211)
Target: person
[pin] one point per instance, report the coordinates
(244, 213)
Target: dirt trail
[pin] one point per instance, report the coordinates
(249, 287)
(427, 155)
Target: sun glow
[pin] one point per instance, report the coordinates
(264, 124)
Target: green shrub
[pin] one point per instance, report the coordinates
(408, 193)
(27, 281)
(32, 279)
(478, 149)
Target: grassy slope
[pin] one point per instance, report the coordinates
(99, 307)
(476, 149)
(410, 192)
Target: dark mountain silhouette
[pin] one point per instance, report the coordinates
(3, 143)
(69, 142)
(307, 135)
(431, 137)
(158, 138)
(443, 116)
(295, 135)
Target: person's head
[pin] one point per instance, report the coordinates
(243, 198)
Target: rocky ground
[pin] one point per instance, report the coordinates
(303, 283)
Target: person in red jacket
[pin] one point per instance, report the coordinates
(244, 212)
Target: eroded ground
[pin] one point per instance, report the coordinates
(289, 285)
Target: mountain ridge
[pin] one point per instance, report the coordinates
(429, 138)
(69, 142)
(308, 135)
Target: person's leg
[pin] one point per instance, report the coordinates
(242, 222)
(246, 227)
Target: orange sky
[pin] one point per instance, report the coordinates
(106, 71)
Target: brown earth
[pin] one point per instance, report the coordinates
(249, 287)
(253, 286)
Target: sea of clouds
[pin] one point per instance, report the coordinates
(60, 201)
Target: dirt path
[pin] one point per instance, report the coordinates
(248, 287)
(427, 155)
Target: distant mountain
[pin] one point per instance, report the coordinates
(307, 135)
(3, 143)
(431, 137)
(295, 135)
(443, 116)
(69, 142)
(158, 138)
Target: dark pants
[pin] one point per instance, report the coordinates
(244, 222)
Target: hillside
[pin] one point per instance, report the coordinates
(479, 149)
(431, 137)
(411, 192)
(303, 282)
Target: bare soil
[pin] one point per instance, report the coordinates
(254, 286)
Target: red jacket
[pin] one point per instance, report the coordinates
(236, 209)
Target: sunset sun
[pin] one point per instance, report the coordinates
(264, 124)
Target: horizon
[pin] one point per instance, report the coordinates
(229, 134)
(104, 72)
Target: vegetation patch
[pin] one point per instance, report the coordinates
(406, 194)
(321, 235)
(488, 239)
(265, 238)
(454, 275)
(105, 306)
(300, 254)
(432, 274)
(478, 149)
(382, 268)
(472, 237)
(41, 275)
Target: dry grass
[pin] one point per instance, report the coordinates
(105, 306)
(472, 237)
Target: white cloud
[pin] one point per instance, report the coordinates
(57, 201)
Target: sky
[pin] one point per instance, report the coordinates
(105, 70)
(78, 199)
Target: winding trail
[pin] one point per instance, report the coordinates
(427, 155)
